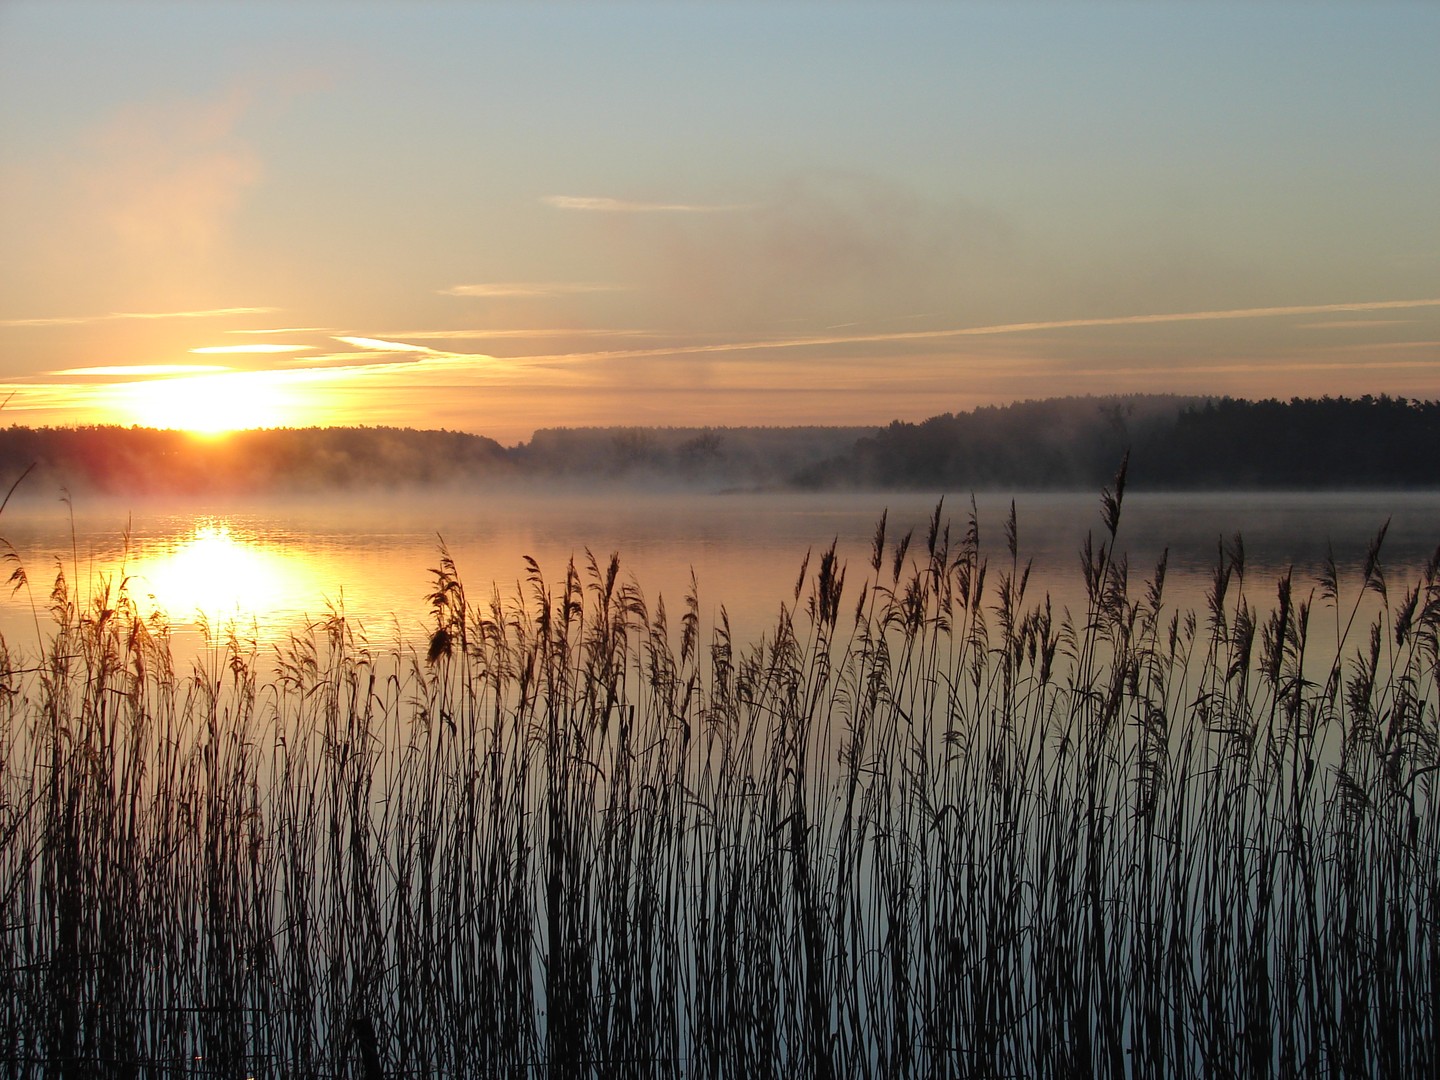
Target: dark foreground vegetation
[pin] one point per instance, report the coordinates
(928, 827)
(1176, 444)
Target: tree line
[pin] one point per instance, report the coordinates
(147, 461)
(1174, 443)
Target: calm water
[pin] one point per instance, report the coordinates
(279, 565)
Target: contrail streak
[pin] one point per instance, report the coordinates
(1191, 316)
(1004, 328)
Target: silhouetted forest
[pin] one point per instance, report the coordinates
(1330, 442)
(1054, 443)
(1173, 442)
(144, 461)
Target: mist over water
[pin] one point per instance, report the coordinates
(272, 567)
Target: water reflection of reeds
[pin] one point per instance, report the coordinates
(927, 826)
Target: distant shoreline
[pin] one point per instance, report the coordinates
(1172, 443)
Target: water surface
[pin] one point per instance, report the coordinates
(275, 566)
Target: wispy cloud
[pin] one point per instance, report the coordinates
(1352, 324)
(364, 359)
(202, 313)
(77, 320)
(528, 289)
(546, 332)
(1369, 348)
(132, 370)
(1246, 367)
(256, 348)
(605, 205)
(1188, 316)
(286, 330)
(379, 345)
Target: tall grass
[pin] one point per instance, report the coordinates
(926, 826)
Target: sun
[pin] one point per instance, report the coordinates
(207, 404)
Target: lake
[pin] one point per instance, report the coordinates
(275, 566)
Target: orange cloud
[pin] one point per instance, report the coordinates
(378, 345)
(259, 348)
(130, 370)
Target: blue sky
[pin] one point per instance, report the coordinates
(498, 217)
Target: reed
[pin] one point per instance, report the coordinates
(926, 826)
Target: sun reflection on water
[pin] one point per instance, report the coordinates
(218, 574)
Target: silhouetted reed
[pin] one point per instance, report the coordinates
(926, 826)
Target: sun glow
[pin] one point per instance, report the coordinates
(208, 404)
(220, 575)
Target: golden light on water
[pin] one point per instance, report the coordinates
(222, 575)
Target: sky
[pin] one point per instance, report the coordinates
(498, 217)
